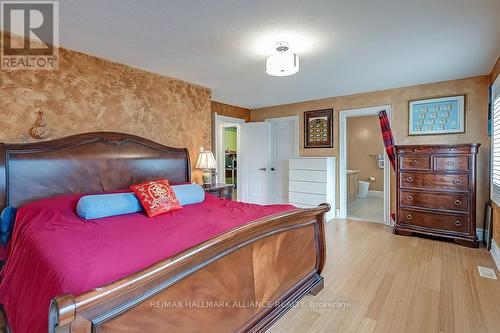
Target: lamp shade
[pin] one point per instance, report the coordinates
(282, 64)
(206, 160)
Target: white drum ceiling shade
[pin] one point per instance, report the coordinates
(282, 63)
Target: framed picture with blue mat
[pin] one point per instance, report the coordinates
(442, 115)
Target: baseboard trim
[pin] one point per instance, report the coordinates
(378, 194)
(495, 253)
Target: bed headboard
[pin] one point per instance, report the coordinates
(85, 163)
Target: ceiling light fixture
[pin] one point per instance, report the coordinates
(282, 63)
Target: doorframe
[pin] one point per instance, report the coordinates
(219, 123)
(360, 112)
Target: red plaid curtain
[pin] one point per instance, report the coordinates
(387, 136)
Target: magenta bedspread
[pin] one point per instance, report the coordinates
(53, 251)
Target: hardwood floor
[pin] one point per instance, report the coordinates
(367, 209)
(398, 284)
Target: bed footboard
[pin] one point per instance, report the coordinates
(241, 281)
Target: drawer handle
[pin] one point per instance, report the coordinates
(458, 181)
(409, 179)
(409, 217)
(457, 223)
(450, 162)
(414, 162)
(409, 198)
(457, 202)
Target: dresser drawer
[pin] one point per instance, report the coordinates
(308, 163)
(307, 176)
(414, 163)
(455, 223)
(307, 187)
(451, 163)
(453, 202)
(435, 149)
(434, 181)
(306, 198)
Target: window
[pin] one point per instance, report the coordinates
(495, 142)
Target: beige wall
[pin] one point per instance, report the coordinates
(496, 222)
(475, 89)
(364, 139)
(91, 94)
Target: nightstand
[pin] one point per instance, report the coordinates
(224, 191)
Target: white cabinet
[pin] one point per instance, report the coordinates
(312, 182)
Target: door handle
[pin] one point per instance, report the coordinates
(273, 169)
(263, 169)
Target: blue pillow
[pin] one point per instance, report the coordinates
(104, 205)
(7, 219)
(189, 194)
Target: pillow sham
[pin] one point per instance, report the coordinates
(157, 197)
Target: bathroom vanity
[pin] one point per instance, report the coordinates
(352, 184)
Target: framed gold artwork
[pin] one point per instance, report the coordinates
(318, 129)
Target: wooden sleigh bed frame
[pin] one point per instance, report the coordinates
(241, 281)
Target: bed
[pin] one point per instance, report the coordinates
(240, 276)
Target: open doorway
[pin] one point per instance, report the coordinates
(364, 166)
(230, 170)
(365, 169)
(227, 151)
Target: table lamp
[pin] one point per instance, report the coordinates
(206, 161)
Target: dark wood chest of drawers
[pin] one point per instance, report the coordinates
(436, 191)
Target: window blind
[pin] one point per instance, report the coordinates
(495, 142)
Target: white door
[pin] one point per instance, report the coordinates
(283, 147)
(254, 162)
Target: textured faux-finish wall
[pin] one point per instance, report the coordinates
(90, 94)
(475, 89)
(230, 111)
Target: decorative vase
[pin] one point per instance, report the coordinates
(40, 129)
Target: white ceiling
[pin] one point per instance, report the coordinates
(345, 47)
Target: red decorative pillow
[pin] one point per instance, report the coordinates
(157, 197)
